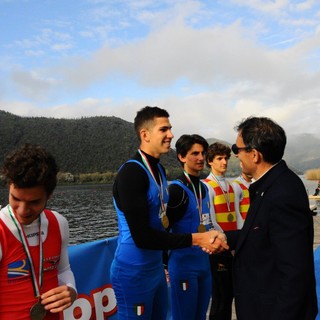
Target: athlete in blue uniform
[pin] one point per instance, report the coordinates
(189, 211)
(140, 198)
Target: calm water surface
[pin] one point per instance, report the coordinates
(90, 212)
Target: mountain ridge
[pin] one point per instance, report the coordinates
(103, 143)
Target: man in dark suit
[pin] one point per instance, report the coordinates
(273, 263)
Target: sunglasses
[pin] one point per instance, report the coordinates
(235, 149)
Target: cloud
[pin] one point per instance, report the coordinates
(268, 6)
(46, 38)
(32, 84)
(210, 57)
(210, 64)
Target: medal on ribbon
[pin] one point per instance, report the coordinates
(37, 311)
(162, 214)
(164, 220)
(202, 228)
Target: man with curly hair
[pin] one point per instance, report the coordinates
(35, 276)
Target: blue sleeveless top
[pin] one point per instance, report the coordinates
(126, 250)
(189, 223)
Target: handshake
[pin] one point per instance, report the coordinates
(212, 241)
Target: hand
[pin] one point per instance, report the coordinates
(58, 299)
(211, 241)
(220, 240)
(216, 234)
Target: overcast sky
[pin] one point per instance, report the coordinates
(209, 63)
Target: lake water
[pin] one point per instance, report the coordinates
(88, 209)
(90, 212)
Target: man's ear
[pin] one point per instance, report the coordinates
(181, 158)
(145, 135)
(256, 156)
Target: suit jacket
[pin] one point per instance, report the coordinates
(273, 264)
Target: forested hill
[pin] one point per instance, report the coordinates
(102, 144)
(86, 145)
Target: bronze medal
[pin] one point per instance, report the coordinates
(202, 228)
(165, 221)
(230, 217)
(37, 312)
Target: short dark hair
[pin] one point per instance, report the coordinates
(264, 135)
(185, 143)
(30, 166)
(147, 114)
(215, 149)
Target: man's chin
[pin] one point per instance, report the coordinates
(166, 148)
(165, 151)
